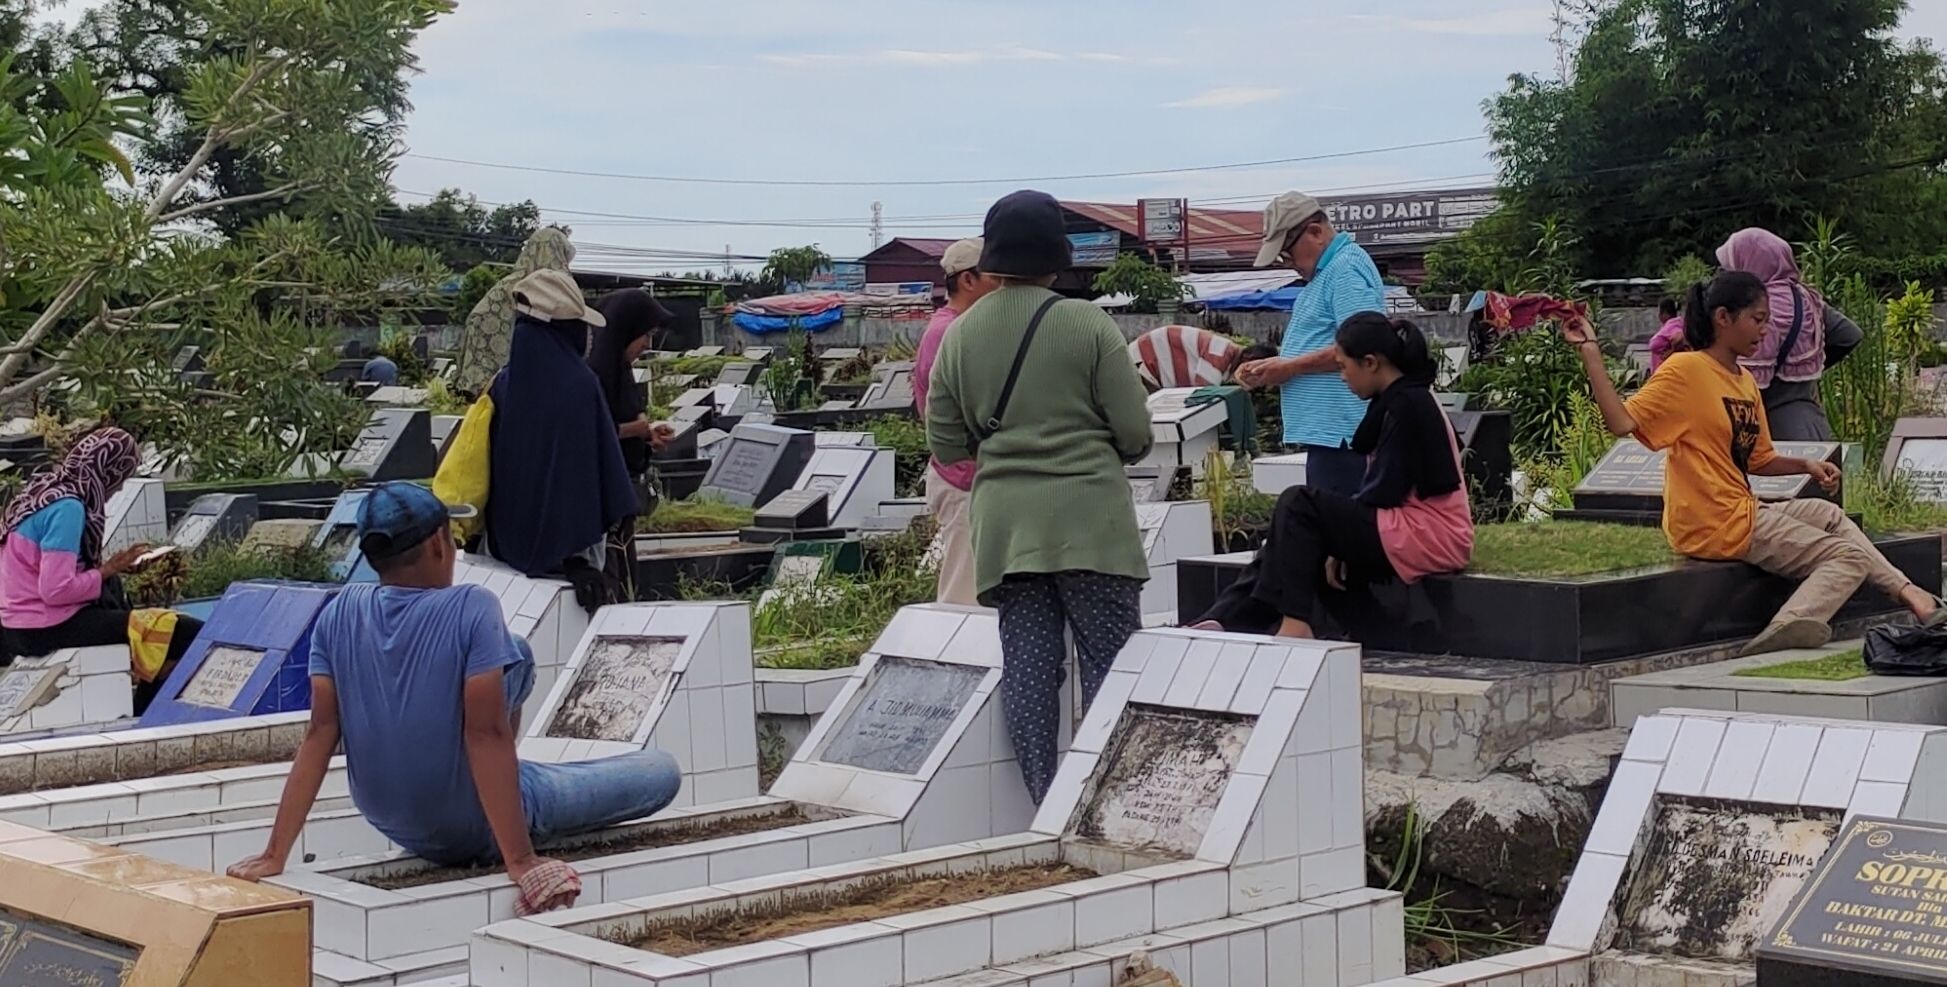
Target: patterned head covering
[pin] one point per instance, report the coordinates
(91, 471)
(1767, 256)
(490, 328)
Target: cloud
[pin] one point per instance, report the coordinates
(931, 58)
(1510, 22)
(1225, 97)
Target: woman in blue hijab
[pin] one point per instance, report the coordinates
(560, 488)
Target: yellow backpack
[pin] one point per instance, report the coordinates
(467, 471)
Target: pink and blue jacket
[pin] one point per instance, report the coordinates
(42, 581)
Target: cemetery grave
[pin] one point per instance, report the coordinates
(252, 658)
(1176, 825)
(444, 429)
(1170, 531)
(138, 514)
(337, 538)
(855, 482)
(397, 444)
(1831, 682)
(912, 755)
(759, 462)
(67, 690)
(78, 915)
(1917, 450)
(214, 518)
(1870, 913)
(1184, 434)
(892, 386)
(394, 396)
(1627, 484)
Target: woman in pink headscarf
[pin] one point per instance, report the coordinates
(1805, 337)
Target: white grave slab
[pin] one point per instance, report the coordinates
(1713, 820)
(1918, 450)
(928, 723)
(67, 690)
(1182, 793)
(542, 612)
(398, 397)
(1275, 474)
(1171, 530)
(676, 677)
(855, 481)
(1184, 435)
(846, 440)
(138, 514)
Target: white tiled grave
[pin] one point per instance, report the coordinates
(542, 612)
(1183, 794)
(1716, 685)
(1183, 435)
(138, 514)
(855, 480)
(1713, 820)
(228, 815)
(1274, 475)
(913, 754)
(67, 690)
(1171, 530)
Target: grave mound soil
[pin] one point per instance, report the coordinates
(647, 838)
(815, 912)
(102, 778)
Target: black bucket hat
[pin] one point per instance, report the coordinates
(1026, 236)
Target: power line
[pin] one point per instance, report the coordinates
(931, 182)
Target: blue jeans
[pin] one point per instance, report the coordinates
(1339, 471)
(563, 800)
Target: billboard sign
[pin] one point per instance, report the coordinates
(1163, 220)
(839, 275)
(1410, 217)
(1095, 249)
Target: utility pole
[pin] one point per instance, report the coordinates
(878, 224)
(728, 271)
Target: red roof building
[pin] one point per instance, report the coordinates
(907, 259)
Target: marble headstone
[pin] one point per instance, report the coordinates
(223, 517)
(901, 714)
(221, 679)
(1918, 450)
(615, 688)
(21, 689)
(1158, 782)
(758, 463)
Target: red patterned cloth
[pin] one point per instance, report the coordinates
(548, 887)
(1510, 314)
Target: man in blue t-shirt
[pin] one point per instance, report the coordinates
(424, 684)
(1320, 412)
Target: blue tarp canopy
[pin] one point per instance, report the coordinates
(758, 325)
(1280, 300)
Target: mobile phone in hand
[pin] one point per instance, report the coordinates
(149, 557)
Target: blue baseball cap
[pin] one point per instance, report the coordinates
(396, 517)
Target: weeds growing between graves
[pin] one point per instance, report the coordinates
(1238, 510)
(1554, 549)
(1892, 505)
(1437, 934)
(906, 437)
(693, 516)
(209, 572)
(1842, 667)
(705, 368)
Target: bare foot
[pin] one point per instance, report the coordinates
(1292, 627)
(1206, 625)
(1922, 603)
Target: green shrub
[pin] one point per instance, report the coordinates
(906, 437)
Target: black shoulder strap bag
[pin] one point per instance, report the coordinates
(982, 431)
(1791, 338)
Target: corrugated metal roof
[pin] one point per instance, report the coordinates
(929, 247)
(1233, 230)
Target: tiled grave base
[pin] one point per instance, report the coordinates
(1460, 718)
(1171, 530)
(1870, 769)
(1613, 969)
(91, 690)
(701, 711)
(130, 755)
(1542, 966)
(790, 700)
(213, 839)
(158, 799)
(1200, 919)
(542, 612)
(1883, 699)
(362, 927)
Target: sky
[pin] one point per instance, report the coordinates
(880, 92)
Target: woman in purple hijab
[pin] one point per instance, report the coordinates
(1806, 336)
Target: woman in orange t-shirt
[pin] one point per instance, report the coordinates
(1706, 410)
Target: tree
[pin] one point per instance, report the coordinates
(788, 264)
(1146, 284)
(1688, 119)
(461, 230)
(109, 265)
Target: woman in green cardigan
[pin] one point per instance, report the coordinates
(1054, 527)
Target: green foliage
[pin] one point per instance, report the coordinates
(1434, 930)
(1553, 549)
(1579, 444)
(1888, 506)
(1688, 270)
(1842, 667)
(794, 264)
(1688, 119)
(211, 570)
(1535, 378)
(1146, 284)
(790, 378)
(1490, 255)
(698, 515)
(1238, 510)
(906, 437)
(474, 286)
(440, 399)
(413, 371)
(832, 625)
(705, 368)
(463, 232)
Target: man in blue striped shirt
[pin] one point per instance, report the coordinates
(1320, 412)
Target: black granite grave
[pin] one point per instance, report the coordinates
(1451, 402)
(1580, 620)
(794, 515)
(702, 415)
(746, 374)
(675, 383)
(1869, 916)
(757, 463)
(758, 354)
(188, 360)
(682, 445)
(214, 518)
(397, 444)
(200, 379)
(1486, 454)
(738, 568)
(892, 386)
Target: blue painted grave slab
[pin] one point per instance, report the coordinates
(339, 538)
(251, 658)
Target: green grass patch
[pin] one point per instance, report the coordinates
(1842, 667)
(1551, 549)
(695, 516)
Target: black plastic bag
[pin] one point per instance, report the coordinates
(1907, 649)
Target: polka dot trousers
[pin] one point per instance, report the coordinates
(1036, 610)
